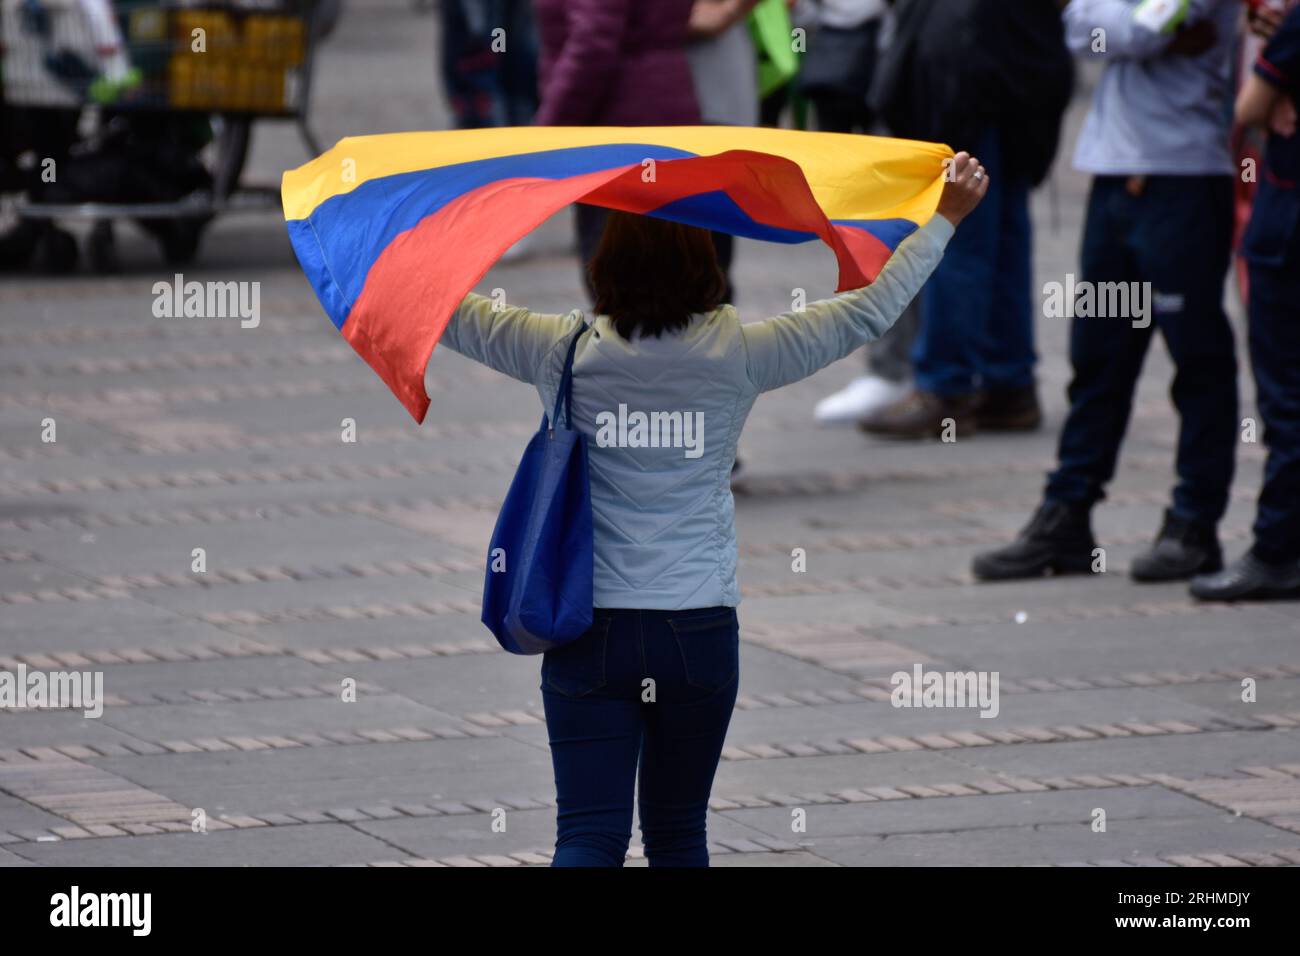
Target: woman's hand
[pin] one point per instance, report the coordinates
(967, 182)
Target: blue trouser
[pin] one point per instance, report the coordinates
(1176, 234)
(648, 688)
(1275, 357)
(977, 325)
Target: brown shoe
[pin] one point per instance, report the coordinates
(1009, 410)
(921, 414)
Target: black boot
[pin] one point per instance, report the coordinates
(1249, 579)
(1182, 549)
(1058, 539)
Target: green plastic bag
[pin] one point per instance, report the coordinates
(769, 24)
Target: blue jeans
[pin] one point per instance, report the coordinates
(1275, 356)
(977, 326)
(652, 690)
(1176, 234)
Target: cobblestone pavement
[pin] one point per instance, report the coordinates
(329, 561)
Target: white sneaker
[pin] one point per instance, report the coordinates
(863, 396)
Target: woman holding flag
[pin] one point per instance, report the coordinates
(648, 691)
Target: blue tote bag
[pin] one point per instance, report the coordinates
(537, 592)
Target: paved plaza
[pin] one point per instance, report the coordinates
(330, 562)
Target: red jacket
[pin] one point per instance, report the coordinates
(614, 63)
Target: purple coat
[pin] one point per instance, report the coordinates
(614, 63)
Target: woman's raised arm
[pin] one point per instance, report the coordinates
(504, 337)
(792, 346)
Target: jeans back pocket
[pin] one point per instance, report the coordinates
(578, 668)
(709, 645)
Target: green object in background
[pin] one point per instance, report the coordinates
(769, 24)
(106, 92)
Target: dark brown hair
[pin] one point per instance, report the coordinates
(651, 275)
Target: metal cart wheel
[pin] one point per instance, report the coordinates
(278, 38)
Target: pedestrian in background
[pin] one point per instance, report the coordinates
(1271, 248)
(993, 77)
(1159, 212)
(613, 63)
(724, 70)
(838, 71)
(490, 78)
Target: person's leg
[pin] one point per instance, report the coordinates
(957, 301)
(832, 113)
(593, 721)
(1106, 354)
(1275, 355)
(693, 659)
(1184, 248)
(1007, 357)
(1271, 568)
(955, 306)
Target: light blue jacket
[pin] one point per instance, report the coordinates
(665, 534)
(1154, 113)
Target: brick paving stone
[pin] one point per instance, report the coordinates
(992, 786)
(279, 819)
(71, 832)
(1109, 730)
(452, 807)
(347, 815)
(183, 747)
(1260, 859)
(1094, 781)
(1222, 859)
(1075, 733)
(1006, 736)
(782, 799)
(916, 790)
(868, 746)
(763, 751)
(311, 816)
(213, 745)
(956, 790)
(800, 750)
(886, 793)
(968, 739)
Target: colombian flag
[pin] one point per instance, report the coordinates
(394, 230)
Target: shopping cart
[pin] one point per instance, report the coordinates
(225, 63)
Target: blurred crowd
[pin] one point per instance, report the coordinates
(1191, 129)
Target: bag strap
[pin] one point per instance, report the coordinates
(565, 393)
